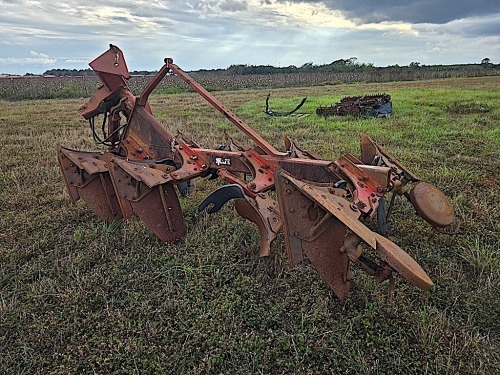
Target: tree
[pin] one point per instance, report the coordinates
(340, 62)
(486, 60)
(352, 61)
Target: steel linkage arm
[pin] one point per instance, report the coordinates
(240, 124)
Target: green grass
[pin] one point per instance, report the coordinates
(80, 296)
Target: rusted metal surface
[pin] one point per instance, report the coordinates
(264, 212)
(87, 177)
(320, 205)
(379, 105)
(341, 209)
(432, 205)
(374, 154)
(311, 231)
(295, 151)
(402, 262)
(160, 210)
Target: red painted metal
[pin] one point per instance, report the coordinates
(240, 124)
(321, 205)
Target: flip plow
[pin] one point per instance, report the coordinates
(321, 206)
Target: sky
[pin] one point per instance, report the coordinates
(209, 34)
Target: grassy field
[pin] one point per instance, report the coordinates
(79, 296)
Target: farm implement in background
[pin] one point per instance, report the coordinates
(379, 105)
(293, 112)
(320, 205)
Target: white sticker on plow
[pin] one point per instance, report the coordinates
(222, 161)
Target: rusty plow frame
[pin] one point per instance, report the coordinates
(321, 206)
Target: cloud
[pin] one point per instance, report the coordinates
(411, 11)
(472, 27)
(217, 33)
(36, 58)
(215, 6)
(76, 61)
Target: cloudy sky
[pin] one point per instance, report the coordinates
(41, 35)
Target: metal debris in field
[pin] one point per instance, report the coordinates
(379, 105)
(291, 113)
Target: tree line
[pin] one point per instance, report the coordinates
(338, 66)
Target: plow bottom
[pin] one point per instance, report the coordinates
(113, 193)
(160, 211)
(325, 228)
(87, 177)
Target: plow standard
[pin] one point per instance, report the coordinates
(321, 206)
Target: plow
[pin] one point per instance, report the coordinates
(322, 207)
